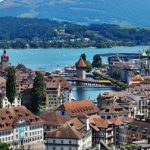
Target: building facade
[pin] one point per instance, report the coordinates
(70, 136)
(6, 104)
(18, 126)
(58, 91)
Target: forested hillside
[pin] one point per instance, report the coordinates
(27, 32)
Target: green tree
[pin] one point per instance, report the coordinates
(97, 61)
(89, 66)
(5, 146)
(116, 74)
(147, 51)
(87, 62)
(38, 92)
(11, 84)
(83, 57)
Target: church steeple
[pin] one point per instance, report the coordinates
(4, 61)
(4, 57)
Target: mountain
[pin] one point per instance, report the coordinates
(130, 12)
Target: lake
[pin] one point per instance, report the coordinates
(49, 59)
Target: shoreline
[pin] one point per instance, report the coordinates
(75, 48)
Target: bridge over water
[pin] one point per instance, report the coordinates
(90, 83)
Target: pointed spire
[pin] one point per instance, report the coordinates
(81, 63)
(4, 52)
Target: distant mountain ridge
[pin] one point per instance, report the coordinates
(132, 12)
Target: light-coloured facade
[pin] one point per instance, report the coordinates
(73, 135)
(18, 126)
(69, 144)
(141, 105)
(23, 135)
(6, 104)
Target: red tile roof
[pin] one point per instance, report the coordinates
(64, 132)
(76, 123)
(79, 108)
(53, 119)
(96, 122)
(113, 108)
(13, 116)
(72, 129)
(120, 120)
(137, 78)
(56, 81)
(81, 63)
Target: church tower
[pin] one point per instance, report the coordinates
(4, 61)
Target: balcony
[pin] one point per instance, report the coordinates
(109, 135)
(109, 129)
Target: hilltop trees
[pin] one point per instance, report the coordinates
(35, 33)
(11, 84)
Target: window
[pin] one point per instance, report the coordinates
(62, 148)
(69, 142)
(62, 141)
(69, 148)
(54, 148)
(108, 117)
(53, 141)
(63, 113)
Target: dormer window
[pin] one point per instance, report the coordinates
(3, 118)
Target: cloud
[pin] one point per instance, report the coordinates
(1, 0)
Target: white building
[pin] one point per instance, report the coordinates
(6, 104)
(18, 126)
(70, 136)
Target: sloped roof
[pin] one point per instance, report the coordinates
(137, 78)
(96, 122)
(81, 63)
(53, 118)
(102, 123)
(113, 108)
(56, 81)
(79, 108)
(64, 132)
(76, 123)
(17, 115)
(120, 120)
